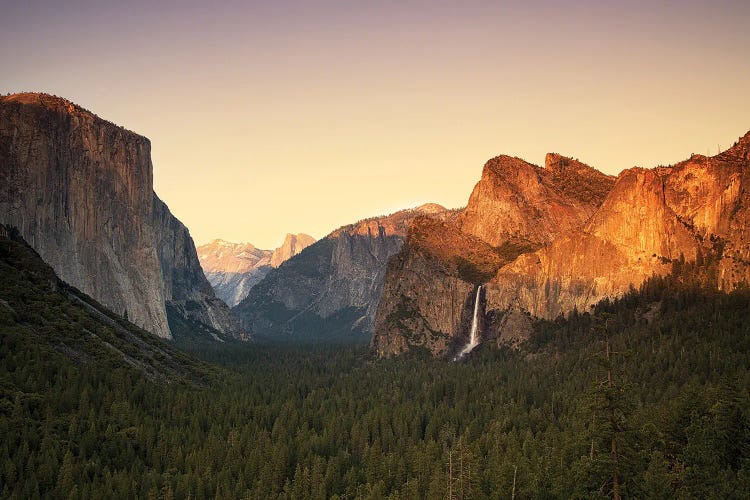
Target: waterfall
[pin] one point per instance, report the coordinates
(474, 335)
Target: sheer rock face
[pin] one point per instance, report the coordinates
(515, 199)
(515, 208)
(428, 296)
(80, 190)
(566, 237)
(186, 288)
(651, 217)
(711, 196)
(332, 288)
(234, 268)
(629, 238)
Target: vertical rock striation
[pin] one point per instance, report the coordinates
(80, 191)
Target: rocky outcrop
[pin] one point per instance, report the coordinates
(428, 297)
(332, 288)
(80, 191)
(514, 328)
(515, 208)
(594, 241)
(651, 219)
(517, 200)
(234, 268)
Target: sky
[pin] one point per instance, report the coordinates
(301, 116)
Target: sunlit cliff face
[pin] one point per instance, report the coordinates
(546, 253)
(307, 116)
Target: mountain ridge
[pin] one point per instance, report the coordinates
(517, 199)
(585, 237)
(332, 288)
(234, 268)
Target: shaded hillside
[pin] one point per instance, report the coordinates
(540, 420)
(42, 318)
(331, 290)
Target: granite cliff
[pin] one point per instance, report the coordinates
(520, 201)
(234, 268)
(651, 219)
(515, 208)
(430, 286)
(332, 288)
(80, 191)
(578, 237)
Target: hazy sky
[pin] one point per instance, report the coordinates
(279, 116)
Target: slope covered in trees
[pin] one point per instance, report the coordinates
(332, 422)
(43, 320)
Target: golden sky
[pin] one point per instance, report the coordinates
(275, 117)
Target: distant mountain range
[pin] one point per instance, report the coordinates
(540, 241)
(234, 268)
(330, 291)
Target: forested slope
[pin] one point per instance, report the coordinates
(332, 422)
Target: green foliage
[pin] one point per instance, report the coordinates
(331, 422)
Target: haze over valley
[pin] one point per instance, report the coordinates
(312, 250)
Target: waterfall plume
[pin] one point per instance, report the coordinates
(474, 334)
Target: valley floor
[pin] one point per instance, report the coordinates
(333, 422)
